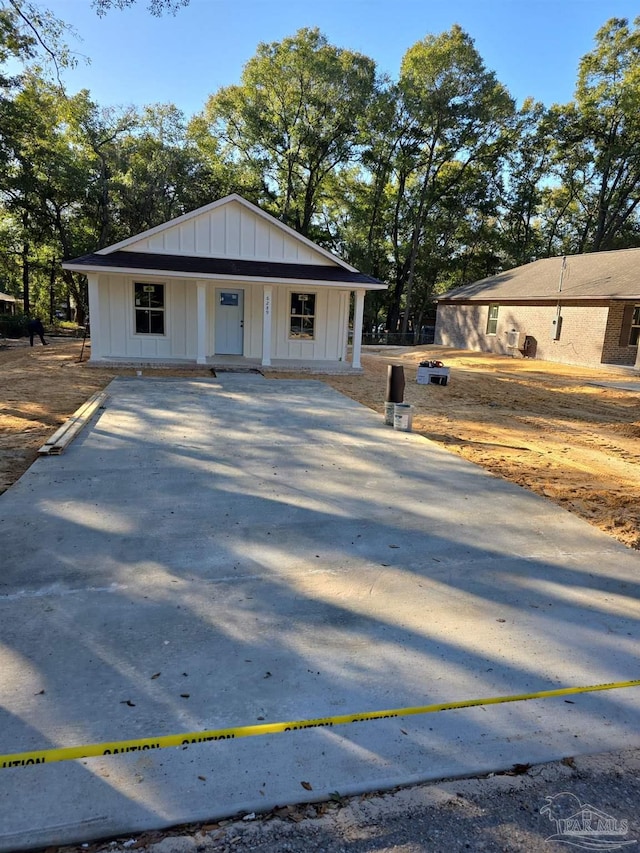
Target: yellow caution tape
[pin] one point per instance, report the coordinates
(119, 747)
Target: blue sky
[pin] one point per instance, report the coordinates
(533, 45)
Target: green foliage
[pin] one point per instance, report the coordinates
(597, 149)
(13, 325)
(155, 7)
(426, 182)
(295, 119)
(449, 141)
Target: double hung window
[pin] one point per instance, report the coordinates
(302, 316)
(492, 319)
(149, 308)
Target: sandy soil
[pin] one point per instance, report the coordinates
(560, 431)
(500, 813)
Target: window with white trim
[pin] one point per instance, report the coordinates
(302, 316)
(634, 333)
(492, 318)
(149, 302)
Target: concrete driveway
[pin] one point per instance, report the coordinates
(213, 553)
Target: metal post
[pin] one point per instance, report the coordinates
(395, 384)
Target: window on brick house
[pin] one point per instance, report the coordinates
(492, 319)
(634, 333)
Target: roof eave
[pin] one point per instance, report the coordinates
(550, 298)
(349, 285)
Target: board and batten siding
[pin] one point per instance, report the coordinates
(329, 343)
(115, 337)
(230, 231)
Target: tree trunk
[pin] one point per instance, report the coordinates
(25, 278)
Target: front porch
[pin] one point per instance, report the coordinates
(238, 363)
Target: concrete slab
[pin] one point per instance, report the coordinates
(622, 385)
(223, 552)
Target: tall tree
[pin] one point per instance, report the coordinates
(295, 118)
(608, 97)
(455, 116)
(594, 203)
(162, 172)
(528, 166)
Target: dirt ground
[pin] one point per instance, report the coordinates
(560, 431)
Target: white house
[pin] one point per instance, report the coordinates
(224, 282)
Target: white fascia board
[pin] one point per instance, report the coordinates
(246, 279)
(219, 203)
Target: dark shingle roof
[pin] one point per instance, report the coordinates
(599, 275)
(159, 263)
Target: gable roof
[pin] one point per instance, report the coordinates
(151, 240)
(598, 275)
(222, 268)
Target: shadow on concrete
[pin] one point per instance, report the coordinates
(219, 553)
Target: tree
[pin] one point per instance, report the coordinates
(162, 172)
(608, 97)
(528, 165)
(294, 119)
(452, 121)
(28, 31)
(593, 204)
(156, 7)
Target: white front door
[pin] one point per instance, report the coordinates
(229, 321)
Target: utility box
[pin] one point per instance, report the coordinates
(432, 373)
(556, 328)
(515, 339)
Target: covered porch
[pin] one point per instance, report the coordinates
(243, 323)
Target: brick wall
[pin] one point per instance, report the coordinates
(590, 332)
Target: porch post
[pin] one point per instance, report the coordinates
(358, 314)
(201, 312)
(94, 316)
(637, 365)
(267, 310)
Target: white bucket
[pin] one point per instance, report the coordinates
(402, 417)
(388, 413)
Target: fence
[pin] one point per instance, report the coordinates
(399, 339)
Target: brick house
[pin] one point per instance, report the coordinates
(581, 309)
